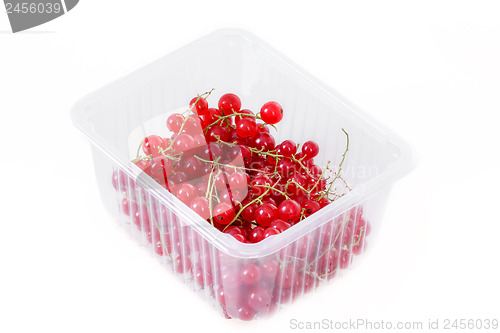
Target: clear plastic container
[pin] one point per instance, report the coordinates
(280, 268)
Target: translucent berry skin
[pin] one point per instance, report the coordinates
(271, 232)
(265, 214)
(201, 207)
(151, 145)
(311, 207)
(246, 128)
(229, 104)
(258, 184)
(271, 113)
(199, 105)
(223, 213)
(238, 181)
(210, 117)
(216, 133)
(310, 149)
(289, 210)
(288, 148)
(249, 212)
(263, 141)
(256, 234)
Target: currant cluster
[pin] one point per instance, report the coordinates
(226, 166)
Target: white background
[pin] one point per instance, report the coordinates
(428, 69)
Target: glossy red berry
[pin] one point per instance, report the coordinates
(223, 213)
(263, 141)
(271, 113)
(250, 274)
(271, 232)
(229, 104)
(151, 145)
(256, 234)
(265, 214)
(310, 149)
(260, 184)
(246, 128)
(186, 193)
(288, 148)
(183, 142)
(289, 210)
(310, 207)
(280, 225)
(216, 133)
(199, 105)
(238, 181)
(237, 118)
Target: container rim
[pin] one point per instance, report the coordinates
(403, 164)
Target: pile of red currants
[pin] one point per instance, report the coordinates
(226, 166)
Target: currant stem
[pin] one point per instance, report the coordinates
(248, 204)
(337, 174)
(274, 189)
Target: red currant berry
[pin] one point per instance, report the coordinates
(200, 206)
(310, 207)
(186, 193)
(198, 105)
(233, 230)
(182, 266)
(151, 144)
(216, 133)
(192, 125)
(238, 181)
(174, 122)
(220, 181)
(280, 225)
(289, 210)
(271, 113)
(161, 167)
(310, 149)
(270, 232)
(259, 184)
(245, 312)
(247, 128)
(262, 128)
(265, 214)
(248, 213)
(250, 274)
(259, 299)
(223, 213)
(256, 235)
(246, 154)
(288, 148)
(240, 238)
(237, 118)
(183, 142)
(226, 197)
(229, 104)
(263, 141)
